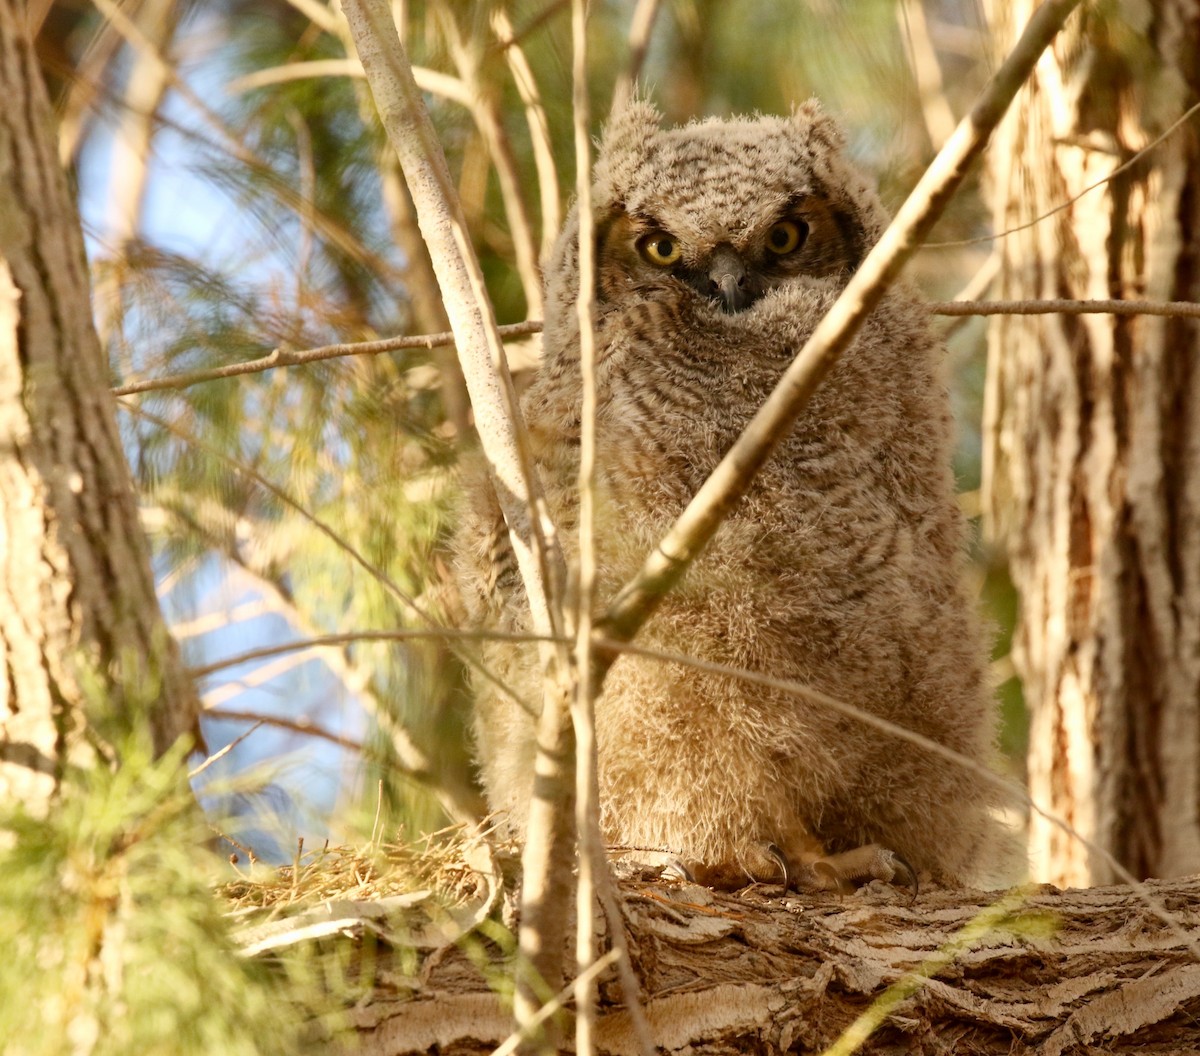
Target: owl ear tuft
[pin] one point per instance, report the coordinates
(625, 146)
(810, 117)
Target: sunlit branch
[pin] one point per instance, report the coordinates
(482, 106)
(539, 128)
(1124, 167)
(282, 357)
(432, 81)
(493, 398)
(322, 641)
(640, 27)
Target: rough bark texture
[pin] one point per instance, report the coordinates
(1068, 973)
(1092, 472)
(76, 592)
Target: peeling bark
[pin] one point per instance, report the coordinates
(77, 601)
(1092, 434)
(1069, 972)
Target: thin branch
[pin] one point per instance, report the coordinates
(493, 398)
(282, 357)
(640, 27)
(1178, 309)
(514, 1041)
(927, 72)
(638, 599)
(583, 714)
(221, 753)
(214, 621)
(304, 726)
(537, 21)
(261, 675)
(977, 286)
(322, 641)
(1170, 130)
(539, 128)
(484, 112)
(406, 600)
(87, 83)
(317, 13)
(432, 81)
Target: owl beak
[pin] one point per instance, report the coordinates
(727, 281)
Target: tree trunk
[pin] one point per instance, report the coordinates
(1057, 973)
(1092, 462)
(79, 621)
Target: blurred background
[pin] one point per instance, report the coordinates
(237, 196)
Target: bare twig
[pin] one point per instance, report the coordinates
(407, 602)
(637, 599)
(1179, 309)
(304, 726)
(220, 753)
(1170, 130)
(518, 492)
(587, 808)
(927, 72)
(323, 641)
(977, 286)
(547, 1010)
(486, 115)
(640, 27)
(317, 13)
(539, 128)
(281, 357)
(493, 398)
(536, 22)
(433, 81)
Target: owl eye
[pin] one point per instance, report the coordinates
(660, 248)
(786, 236)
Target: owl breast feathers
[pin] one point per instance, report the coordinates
(720, 246)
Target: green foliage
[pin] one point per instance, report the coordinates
(115, 943)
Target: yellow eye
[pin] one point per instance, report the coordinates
(660, 248)
(786, 236)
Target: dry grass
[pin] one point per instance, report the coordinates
(455, 865)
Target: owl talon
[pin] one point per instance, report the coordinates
(784, 867)
(845, 871)
(678, 869)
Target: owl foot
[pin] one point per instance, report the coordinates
(762, 863)
(846, 871)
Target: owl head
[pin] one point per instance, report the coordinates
(728, 208)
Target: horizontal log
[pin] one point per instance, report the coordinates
(1058, 973)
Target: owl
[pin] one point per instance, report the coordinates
(719, 246)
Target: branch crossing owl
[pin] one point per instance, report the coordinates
(720, 245)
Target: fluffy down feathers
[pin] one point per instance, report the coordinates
(842, 567)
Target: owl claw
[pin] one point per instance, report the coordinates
(784, 867)
(861, 865)
(678, 869)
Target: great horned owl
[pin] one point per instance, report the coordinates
(720, 245)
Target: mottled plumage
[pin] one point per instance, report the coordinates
(720, 246)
